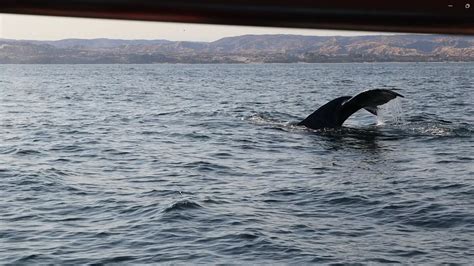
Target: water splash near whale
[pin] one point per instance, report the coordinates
(391, 112)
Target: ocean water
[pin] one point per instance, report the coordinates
(203, 164)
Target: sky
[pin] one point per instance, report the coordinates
(27, 27)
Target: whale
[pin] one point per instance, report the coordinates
(334, 113)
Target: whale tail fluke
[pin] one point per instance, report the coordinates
(334, 113)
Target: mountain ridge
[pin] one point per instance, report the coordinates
(271, 48)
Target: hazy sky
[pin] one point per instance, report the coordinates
(55, 28)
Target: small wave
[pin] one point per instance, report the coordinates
(67, 148)
(290, 192)
(354, 200)
(210, 200)
(222, 155)
(409, 253)
(160, 193)
(182, 205)
(8, 150)
(206, 166)
(197, 136)
(35, 259)
(345, 81)
(28, 152)
(115, 260)
(410, 213)
(383, 261)
(425, 218)
(427, 118)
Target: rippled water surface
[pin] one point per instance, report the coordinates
(203, 164)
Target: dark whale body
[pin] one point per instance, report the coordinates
(334, 113)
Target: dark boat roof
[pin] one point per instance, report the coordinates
(425, 16)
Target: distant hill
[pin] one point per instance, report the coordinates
(243, 49)
(98, 43)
